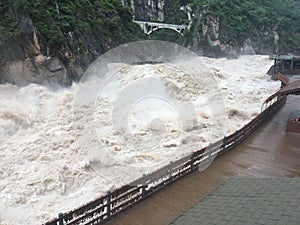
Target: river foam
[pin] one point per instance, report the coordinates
(44, 169)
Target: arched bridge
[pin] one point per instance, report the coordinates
(149, 27)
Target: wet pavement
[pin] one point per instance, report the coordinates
(242, 201)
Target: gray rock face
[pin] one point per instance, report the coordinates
(147, 10)
(59, 55)
(24, 61)
(42, 70)
(247, 49)
(26, 58)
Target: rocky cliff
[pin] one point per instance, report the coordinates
(147, 10)
(53, 42)
(25, 59)
(230, 28)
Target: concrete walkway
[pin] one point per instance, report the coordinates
(248, 201)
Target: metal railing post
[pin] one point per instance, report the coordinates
(60, 216)
(170, 171)
(144, 185)
(108, 200)
(224, 143)
(192, 161)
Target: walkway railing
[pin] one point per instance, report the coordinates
(103, 208)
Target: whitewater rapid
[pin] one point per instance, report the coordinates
(48, 165)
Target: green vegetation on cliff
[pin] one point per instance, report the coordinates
(74, 31)
(258, 21)
(77, 25)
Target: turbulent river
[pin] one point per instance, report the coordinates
(52, 163)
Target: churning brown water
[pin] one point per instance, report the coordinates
(43, 171)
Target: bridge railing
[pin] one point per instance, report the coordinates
(166, 25)
(103, 208)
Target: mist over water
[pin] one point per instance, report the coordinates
(46, 167)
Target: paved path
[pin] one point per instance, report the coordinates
(270, 152)
(241, 201)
